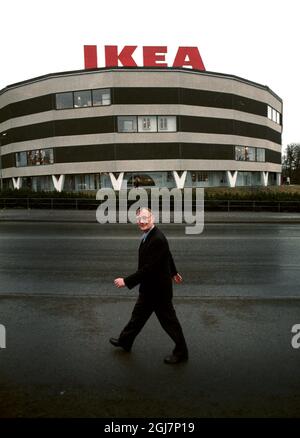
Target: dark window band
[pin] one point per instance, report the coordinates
(186, 96)
(273, 156)
(211, 125)
(108, 124)
(144, 96)
(8, 160)
(143, 151)
(28, 106)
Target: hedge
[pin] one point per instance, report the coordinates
(271, 193)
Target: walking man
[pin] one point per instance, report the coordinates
(156, 269)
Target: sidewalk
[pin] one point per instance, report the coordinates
(58, 361)
(89, 216)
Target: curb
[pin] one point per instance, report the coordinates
(208, 221)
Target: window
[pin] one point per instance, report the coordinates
(278, 118)
(273, 115)
(260, 154)
(202, 176)
(170, 177)
(40, 157)
(147, 124)
(21, 159)
(36, 157)
(140, 180)
(199, 176)
(87, 182)
(39, 183)
(82, 182)
(249, 154)
(127, 124)
(47, 156)
(163, 123)
(239, 153)
(82, 99)
(167, 123)
(64, 100)
(33, 158)
(269, 112)
(101, 97)
(244, 153)
(243, 179)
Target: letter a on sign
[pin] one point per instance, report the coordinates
(188, 56)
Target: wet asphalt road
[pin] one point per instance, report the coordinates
(237, 305)
(256, 260)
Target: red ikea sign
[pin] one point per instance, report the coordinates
(153, 56)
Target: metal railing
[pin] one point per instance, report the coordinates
(92, 204)
(261, 205)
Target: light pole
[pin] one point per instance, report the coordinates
(3, 134)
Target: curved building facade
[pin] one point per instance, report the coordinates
(168, 127)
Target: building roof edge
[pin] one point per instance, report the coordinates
(147, 69)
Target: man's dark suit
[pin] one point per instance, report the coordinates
(156, 268)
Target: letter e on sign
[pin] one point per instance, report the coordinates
(154, 55)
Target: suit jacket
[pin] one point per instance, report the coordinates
(156, 267)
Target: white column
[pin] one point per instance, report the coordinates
(232, 178)
(179, 180)
(278, 179)
(116, 182)
(17, 182)
(264, 176)
(58, 182)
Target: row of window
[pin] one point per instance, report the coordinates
(247, 153)
(102, 96)
(147, 124)
(41, 157)
(38, 157)
(273, 115)
(86, 182)
(83, 99)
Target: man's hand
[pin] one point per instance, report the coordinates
(119, 282)
(177, 278)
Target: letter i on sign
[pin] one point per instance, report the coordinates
(2, 336)
(90, 57)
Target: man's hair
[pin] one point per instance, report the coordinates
(143, 208)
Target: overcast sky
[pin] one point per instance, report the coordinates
(257, 39)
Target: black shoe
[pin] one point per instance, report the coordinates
(173, 359)
(115, 342)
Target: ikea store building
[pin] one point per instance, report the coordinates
(166, 127)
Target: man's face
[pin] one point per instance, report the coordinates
(144, 220)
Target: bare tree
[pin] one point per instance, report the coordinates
(291, 163)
